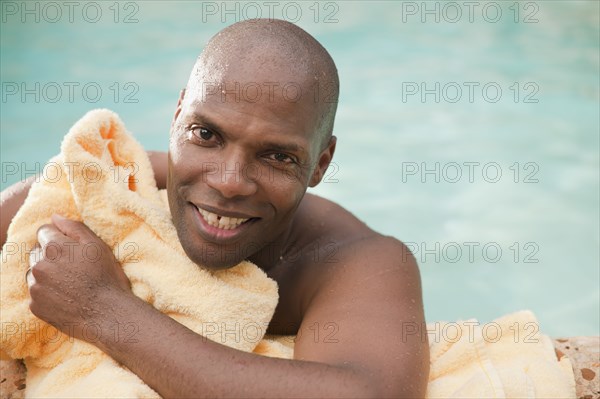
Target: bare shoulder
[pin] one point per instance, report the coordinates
(353, 254)
(332, 241)
(365, 310)
(325, 221)
(329, 242)
(320, 218)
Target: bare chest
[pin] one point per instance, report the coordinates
(296, 282)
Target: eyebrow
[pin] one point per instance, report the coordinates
(197, 116)
(289, 147)
(277, 146)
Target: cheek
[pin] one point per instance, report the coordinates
(176, 146)
(284, 190)
(184, 165)
(177, 173)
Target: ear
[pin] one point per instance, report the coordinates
(178, 109)
(323, 163)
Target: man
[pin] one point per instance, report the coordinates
(251, 131)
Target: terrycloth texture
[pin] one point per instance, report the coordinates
(582, 349)
(92, 181)
(281, 346)
(507, 358)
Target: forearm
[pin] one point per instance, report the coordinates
(176, 362)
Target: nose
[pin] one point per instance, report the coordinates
(231, 177)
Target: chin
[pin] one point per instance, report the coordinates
(209, 255)
(215, 263)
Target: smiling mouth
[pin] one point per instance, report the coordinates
(221, 222)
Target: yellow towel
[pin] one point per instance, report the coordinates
(103, 177)
(506, 358)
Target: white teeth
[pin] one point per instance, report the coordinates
(212, 218)
(221, 222)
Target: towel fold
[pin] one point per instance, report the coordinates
(104, 178)
(505, 358)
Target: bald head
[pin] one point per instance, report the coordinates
(275, 55)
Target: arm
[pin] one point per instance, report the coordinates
(354, 340)
(188, 365)
(368, 308)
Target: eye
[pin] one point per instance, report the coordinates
(281, 157)
(202, 133)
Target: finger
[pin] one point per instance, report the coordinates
(35, 255)
(72, 228)
(29, 278)
(48, 233)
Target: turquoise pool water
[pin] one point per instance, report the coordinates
(472, 134)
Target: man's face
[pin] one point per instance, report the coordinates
(239, 167)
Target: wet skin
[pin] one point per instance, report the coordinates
(243, 160)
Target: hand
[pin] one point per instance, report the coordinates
(74, 276)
